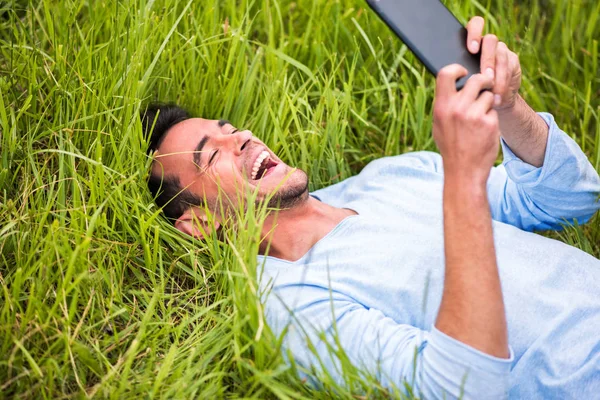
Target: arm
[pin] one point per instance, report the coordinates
(466, 130)
(326, 330)
(524, 131)
(472, 308)
(564, 189)
(545, 178)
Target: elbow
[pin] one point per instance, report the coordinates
(450, 369)
(560, 213)
(584, 219)
(463, 381)
(577, 219)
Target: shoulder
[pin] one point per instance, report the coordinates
(422, 160)
(409, 166)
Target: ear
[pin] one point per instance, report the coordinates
(196, 223)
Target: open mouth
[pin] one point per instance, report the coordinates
(262, 166)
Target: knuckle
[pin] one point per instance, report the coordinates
(483, 79)
(501, 84)
(487, 96)
(444, 72)
(480, 80)
(471, 117)
(491, 123)
(439, 112)
(491, 37)
(478, 116)
(457, 113)
(473, 79)
(516, 58)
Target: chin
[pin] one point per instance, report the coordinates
(293, 192)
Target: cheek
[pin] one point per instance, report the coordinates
(226, 179)
(203, 188)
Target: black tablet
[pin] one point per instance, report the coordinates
(431, 32)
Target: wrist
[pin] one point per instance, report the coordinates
(517, 104)
(520, 114)
(467, 180)
(525, 132)
(465, 189)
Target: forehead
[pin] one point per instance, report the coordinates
(184, 136)
(176, 152)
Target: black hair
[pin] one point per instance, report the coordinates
(166, 189)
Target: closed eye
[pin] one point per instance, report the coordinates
(245, 143)
(212, 157)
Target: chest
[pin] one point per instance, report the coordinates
(391, 262)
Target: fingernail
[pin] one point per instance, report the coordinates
(490, 73)
(474, 45)
(497, 99)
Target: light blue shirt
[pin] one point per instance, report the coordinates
(377, 278)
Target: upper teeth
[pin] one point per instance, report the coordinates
(258, 162)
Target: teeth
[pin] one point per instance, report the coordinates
(258, 162)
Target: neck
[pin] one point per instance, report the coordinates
(289, 234)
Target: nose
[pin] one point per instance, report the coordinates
(240, 141)
(233, 142)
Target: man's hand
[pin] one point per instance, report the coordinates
(497, 62)
(465, 125)
(522, 129)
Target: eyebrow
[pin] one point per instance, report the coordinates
(202, 142)
(198, 150)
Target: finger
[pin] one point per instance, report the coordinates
(488, 55)
(484, 103)
(502, 71)
(445, 84)
(474, 33)
(474, 86)
(513, 61)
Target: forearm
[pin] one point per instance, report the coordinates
(524, 131)
(472, 308)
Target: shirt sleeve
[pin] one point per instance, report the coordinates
(430, 363)
(564, 189)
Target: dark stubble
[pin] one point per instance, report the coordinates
(289, 197)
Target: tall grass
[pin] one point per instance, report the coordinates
(100, 296)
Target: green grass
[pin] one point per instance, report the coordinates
(100, 296)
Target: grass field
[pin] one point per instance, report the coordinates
(100, 296)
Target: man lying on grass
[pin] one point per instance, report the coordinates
(353, 260)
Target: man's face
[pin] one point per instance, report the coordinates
(213, 158)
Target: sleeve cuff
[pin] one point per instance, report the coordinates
(460, 353)
(523, 173)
